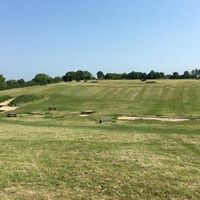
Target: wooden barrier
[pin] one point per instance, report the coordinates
(87, 112)
(52, 108)
(11, 115)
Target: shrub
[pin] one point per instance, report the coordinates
(24, 99)
(5, 98)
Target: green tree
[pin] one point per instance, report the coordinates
(186, 74)
(135, 75)
(21, 82)
(151, 75)
(113, 76)
(69, 76)
(175, 75)
(195, 73)
(83, 75)
(2, 82)
(12, 84)
(79, 75)
(100, 75)
(124, 75)
(57, 79)
(42, 79)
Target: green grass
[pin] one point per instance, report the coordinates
(50, 156)
(24, 99)
(4, 98)
(140, 160)
(166, 97)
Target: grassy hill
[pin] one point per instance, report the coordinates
(53, 155)
(175, 98)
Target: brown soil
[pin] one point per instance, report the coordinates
(172, 119)
(4, 106)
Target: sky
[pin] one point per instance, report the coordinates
(112, 36)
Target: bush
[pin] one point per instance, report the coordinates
(24, 99)
(5, 98)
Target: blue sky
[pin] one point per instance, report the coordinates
(56, 36)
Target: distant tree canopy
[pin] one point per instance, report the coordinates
(79, 75)
(43, 79)
(155, 75)
(135, 75)
(2, 82)
(195, 73)
(175, 75)
(57, 79)
(114, 76)
(100, 75)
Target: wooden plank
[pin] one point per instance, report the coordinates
(52, 108)
(11, 115)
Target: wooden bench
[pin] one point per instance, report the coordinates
(52, 108)
(11, 115)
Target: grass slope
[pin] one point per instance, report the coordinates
(53, 157)
(5, 98)
(175, 98)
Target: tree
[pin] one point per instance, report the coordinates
(161, 75)
(151, 75)
(79, 75)
(30, 83)
(186, 74)
(124, 75)
(143, 76)
(135, 75)
(175, 75)
(100, 75)
(21, 82)
(83, 75)
(12, 84)
(2, 82)
(69, 76)
(113, 76)
(42, 79)
(195, 73)
(57, 79)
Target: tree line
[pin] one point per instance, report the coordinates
(39, 79)
(43, 79)
(151, 75)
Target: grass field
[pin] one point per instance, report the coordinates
(53, 156)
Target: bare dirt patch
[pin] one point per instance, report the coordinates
(4, 106)
(83, 115)
(171, 119)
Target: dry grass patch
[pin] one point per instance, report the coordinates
(63, 160)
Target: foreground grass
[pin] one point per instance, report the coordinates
(69, 159)
(48, 155)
